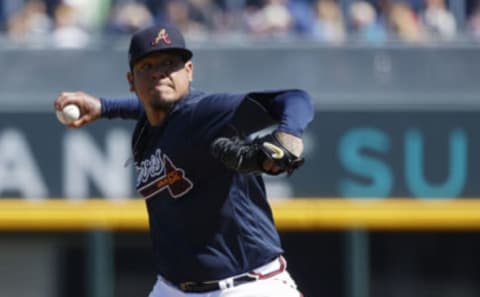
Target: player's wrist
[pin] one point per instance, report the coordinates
(292, 143)
(104, 107)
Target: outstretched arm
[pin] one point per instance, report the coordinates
(93, 108)
(291, 110)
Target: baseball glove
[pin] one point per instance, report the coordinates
(249, 156)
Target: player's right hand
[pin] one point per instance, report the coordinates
(90, 107)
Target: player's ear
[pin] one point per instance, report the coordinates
(189, 68)
(130, 81)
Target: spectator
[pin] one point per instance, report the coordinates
(273, 19)
(438, 21)
(68, 32)
(303, 16)
(366, 26)
(91, 14)
(128, 17)
(328, 25)
(404, 23)
(3, 17)
(179, 13)
(473, 25)
(31, 25)
(206, 13)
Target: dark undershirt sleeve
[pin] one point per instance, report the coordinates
(125, 108)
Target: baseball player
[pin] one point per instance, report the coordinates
(200, 171)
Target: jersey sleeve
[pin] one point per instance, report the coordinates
(125, 108)
(292, 110)
(243, 114)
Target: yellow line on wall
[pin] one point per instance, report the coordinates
(386, 214)
(290, 214)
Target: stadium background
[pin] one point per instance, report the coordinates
(397, 107)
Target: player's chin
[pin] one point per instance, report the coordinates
(162, 104)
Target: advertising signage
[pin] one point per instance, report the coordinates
(351, 154)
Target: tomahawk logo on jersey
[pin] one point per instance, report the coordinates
(169, 176)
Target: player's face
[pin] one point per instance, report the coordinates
(160, 80)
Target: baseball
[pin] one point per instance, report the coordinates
(69, 114)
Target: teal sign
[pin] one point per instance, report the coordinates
(393, 154)
(348, 154)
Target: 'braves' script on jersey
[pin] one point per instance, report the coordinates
(165, 175)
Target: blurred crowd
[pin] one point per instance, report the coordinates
(75, 23)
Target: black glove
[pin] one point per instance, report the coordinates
(249, 157)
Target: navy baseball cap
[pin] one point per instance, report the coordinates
(158, 38)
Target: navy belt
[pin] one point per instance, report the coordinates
(201, 287)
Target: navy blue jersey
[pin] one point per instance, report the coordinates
(208, 222)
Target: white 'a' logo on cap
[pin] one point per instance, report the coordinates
(161, 36)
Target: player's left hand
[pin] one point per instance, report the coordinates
(272, 154)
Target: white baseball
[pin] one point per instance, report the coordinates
(69, 114)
